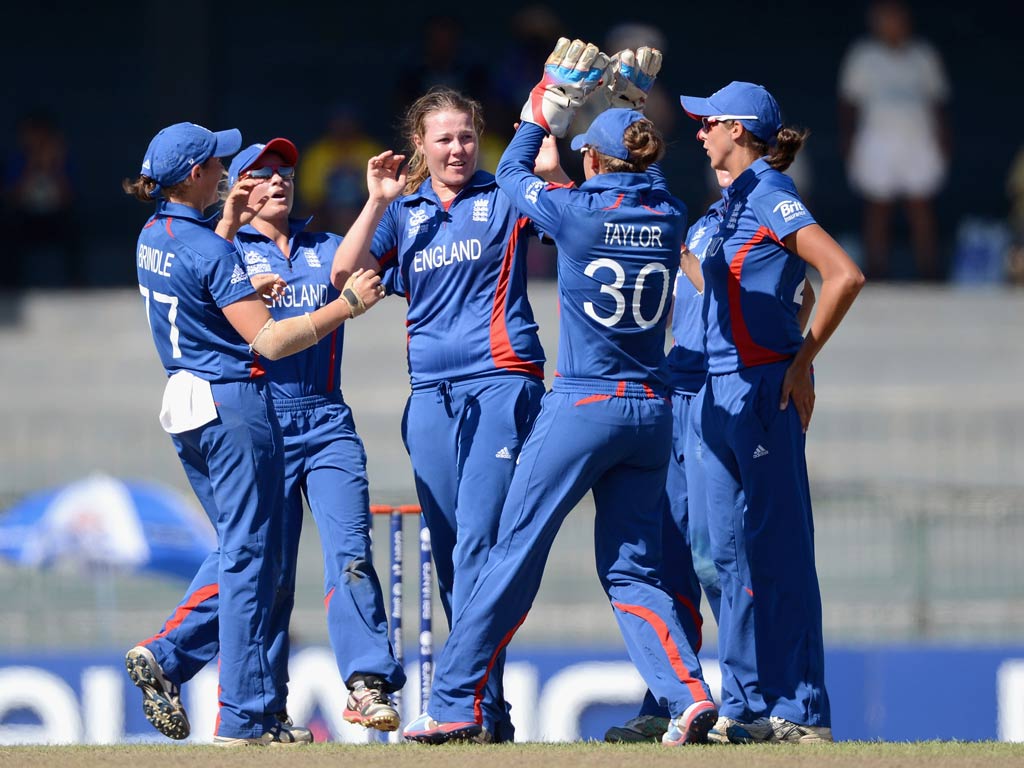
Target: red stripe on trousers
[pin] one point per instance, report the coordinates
(478, 694)
(698, 620)
(181, 613)
(669, 645)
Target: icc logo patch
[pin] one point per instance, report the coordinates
(417, 219)
(790, 209)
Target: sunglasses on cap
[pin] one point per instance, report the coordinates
(267, 172)
(707, 123)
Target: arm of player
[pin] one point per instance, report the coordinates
(528, 192)
(690, 266)
(385, 180)
(841, 281)
(274, 339)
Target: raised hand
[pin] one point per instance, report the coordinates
(572, 72)
(386, 176)
(631, 77)
(239, 209)
(362, 290)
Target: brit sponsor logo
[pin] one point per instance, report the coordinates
(480, 209)
(417, 219)
(311, 257)
(790, 209)
(533, 191)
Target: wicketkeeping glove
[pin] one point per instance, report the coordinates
(631, 76)
(572, 72)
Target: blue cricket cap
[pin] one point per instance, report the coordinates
(751, 104)
(251, 155)
(605, 133)
(173, 151)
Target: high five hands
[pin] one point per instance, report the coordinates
(575, 70)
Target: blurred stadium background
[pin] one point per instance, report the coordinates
(916, 450)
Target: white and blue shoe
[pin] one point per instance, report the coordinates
(692, 726)
(427, 730)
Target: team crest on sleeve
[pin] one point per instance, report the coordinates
(238, 275)
(417, 219)
(255, 263)
(310, 255)
(533, 191)
(790, 209)
(480, 209)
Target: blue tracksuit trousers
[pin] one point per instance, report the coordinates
(762, 537)
(618, 446)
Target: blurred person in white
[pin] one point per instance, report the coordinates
(894, 134)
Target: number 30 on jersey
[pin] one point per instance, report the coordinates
(615, 291)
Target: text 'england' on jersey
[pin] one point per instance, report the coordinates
(463, 271)
(316, 370)
(187, 274)
(753, 284)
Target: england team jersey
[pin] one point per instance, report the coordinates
(687, 361)
(752, 284)
(317, 370)
(462, 270)
(618, 238)
(187, 274)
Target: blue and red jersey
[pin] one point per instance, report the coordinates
(317, 370)
(187, 274)
(462, 270)
(687, 360)
(752, 284)
(618, 238)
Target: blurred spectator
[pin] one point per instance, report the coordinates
(39, 198)
(442, 58)
(1015, 191)
(894, 134)
(332, 175)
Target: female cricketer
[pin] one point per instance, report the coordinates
(605, 426)
(455, 248)
(757, 405)
(211, 331)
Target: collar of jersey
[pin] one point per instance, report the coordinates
(181, 211)
(295, 226)
(620, 181)
(748, 177)
(479, 180)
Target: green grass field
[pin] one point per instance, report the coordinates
(931, 754)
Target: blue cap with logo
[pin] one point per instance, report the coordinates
(749, 103)
(249, 156)
(176, 149)
(606, 132)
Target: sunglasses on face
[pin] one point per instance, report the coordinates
(707, 123)
(266, 173)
